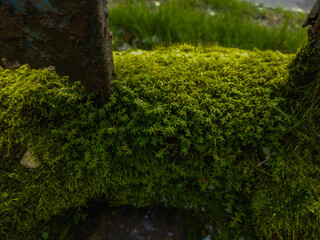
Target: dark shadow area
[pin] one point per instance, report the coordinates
(148, 223)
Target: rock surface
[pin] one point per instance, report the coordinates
(129, 223)
(297, 5)
(29, 160)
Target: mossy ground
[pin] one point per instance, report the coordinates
(230, 131)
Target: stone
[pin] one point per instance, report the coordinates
(30, 160)
(10, 64)
(50, 68)
(154, 222)
(73, 36)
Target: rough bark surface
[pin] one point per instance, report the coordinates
(313, 20)
(71, 35)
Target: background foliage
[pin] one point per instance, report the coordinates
(230, 23)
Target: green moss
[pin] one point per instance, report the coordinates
(188, 127)
(305, 66)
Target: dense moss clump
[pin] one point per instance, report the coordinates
(209, 129)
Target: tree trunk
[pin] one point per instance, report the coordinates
(71, 35)
(313, 20)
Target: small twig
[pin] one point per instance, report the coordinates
(261, 170)
(263, 162)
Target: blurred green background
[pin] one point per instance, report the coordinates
(145, 24)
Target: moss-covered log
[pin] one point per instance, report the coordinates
(228, 131)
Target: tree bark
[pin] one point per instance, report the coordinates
(71, 35)
(313, 20)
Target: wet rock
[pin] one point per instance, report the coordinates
(29, 160)
(10, 64)
(50, 68)
(129, 223)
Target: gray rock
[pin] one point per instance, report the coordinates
(10, 64)
(30, 160)
(296, 5)
(49, 68)
(122, 223)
